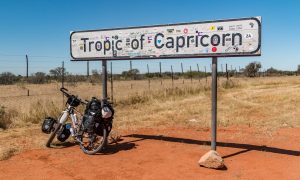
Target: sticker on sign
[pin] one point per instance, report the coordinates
(221, 38)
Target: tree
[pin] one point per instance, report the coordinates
(95, 72)
(273, 71)
(39, 78)
(57, 72)
(130, 73)
(298, 70)
(8, 78)
(252, 68)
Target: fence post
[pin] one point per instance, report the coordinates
(62, 81)
(182, 73)
(205, 73)
(148, 76)
(191, 74)
(235, 72)
(198, 72)
(172, 76)
(227, 74)
(130, 74)
(222, 70)
(160, 73)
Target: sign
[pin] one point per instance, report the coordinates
(221, 38)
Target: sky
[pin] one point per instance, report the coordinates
(41, 29)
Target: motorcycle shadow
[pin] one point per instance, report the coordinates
(62, 145)
(117, 147)
(110, 148)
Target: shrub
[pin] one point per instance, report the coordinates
(8, 78)
(230, 84)
(252, 69)
(5, 118)
(38, 78)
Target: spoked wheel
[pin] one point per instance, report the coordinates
(91, 143)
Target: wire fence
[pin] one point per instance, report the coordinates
(150, 75)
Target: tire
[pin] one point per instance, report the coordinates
(53, 134)
(101, 145)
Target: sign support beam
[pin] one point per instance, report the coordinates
(214, 92)
(212, 159)
(104, 79)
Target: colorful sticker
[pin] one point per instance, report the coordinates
(185, 30)
(220, 28)
(170, 30)
(239, 27)
(248, 36)
(251, 24)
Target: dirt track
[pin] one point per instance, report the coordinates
(170, 153)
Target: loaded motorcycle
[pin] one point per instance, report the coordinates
(91, 131)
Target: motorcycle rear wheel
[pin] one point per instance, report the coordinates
(89, 147)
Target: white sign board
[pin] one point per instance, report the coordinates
(234, 37)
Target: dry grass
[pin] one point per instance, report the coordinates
(262, 103)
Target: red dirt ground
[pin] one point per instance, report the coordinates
(169, 153)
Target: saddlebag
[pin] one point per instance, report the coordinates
(48, 125)
(64, 133)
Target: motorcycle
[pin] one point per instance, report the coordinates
(91, 131)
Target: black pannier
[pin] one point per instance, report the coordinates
(73, 101)
(92, 114)
(48, 125)
(64, 133)
(96, 111)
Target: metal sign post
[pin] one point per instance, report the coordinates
(214, 92)
(104, 79)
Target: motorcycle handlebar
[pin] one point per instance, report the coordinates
(85, 102)
(63, 90)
